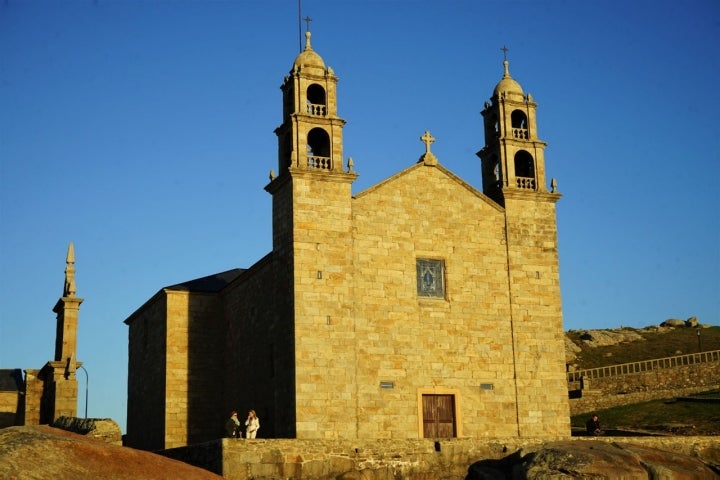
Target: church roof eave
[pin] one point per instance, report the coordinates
(209, 284)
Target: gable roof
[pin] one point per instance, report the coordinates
(439, 167)
(210, 284)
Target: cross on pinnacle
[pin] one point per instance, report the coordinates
(505, 50)
(427, 140)
(307, 22)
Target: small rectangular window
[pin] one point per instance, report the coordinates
(431, 278)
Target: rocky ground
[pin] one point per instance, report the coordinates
(598, 460)
(577, 341)
(42, 452)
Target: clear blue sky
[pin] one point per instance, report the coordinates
(142, 131)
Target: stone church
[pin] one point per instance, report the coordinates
(418, 308)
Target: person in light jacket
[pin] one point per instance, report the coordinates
(253, 425)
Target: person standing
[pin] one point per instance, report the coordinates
(232, 426)
(253, 425)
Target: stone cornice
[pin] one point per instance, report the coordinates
(519, 194)
(307, 174)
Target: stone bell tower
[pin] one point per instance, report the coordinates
(310, 136)
(513, 158)
(52, 391)
(513, 174)
(312, 235)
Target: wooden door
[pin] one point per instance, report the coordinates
(438, 416)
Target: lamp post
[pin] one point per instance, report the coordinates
(87, 382)
(699, 342)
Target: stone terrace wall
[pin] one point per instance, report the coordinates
(596, 400)
(449, 459)
(671, 372)
(615, 390)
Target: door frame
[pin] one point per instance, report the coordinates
(439, 391)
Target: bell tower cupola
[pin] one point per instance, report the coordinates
(310, 137)
(513, 158)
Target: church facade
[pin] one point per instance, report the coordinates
(418, 308)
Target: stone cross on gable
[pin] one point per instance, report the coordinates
(427, 140)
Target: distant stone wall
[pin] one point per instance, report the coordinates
(688, 376)
(9, 408)
(421, 459)
(104, 429)
(33, 397)
(11, 397)
(612, 391)
(593, 401)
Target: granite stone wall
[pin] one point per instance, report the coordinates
(146, 376)
(613, 391)
(397, 459)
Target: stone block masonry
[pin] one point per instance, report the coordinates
(613, 391)
(422, 459)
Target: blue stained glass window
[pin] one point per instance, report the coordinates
(430, 278)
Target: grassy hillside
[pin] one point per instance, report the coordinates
(669, 416)
(666, 417)
(656, 343)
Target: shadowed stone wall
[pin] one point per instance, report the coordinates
(422, 459)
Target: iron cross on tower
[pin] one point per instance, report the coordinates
(307, 23)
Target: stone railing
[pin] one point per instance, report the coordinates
(521, 133)
(645, 366)
(628, 383)
(526, 183)
(319, 163)
(316, 109)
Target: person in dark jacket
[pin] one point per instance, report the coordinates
(232, 426)
(593, 426)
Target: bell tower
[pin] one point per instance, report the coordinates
(513, 174)
(310, 137)
(513, 158)
(312, 257)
